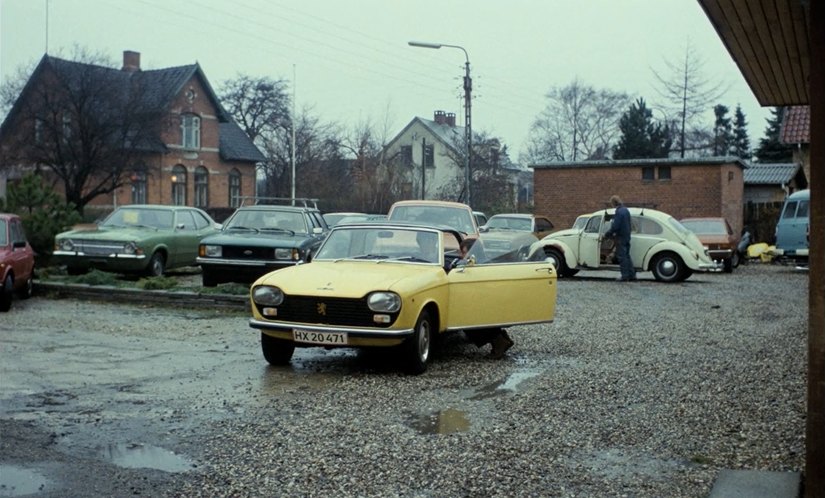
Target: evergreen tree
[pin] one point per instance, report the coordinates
(640, 136)
(741, 142)
(771, 149)
(722, 131)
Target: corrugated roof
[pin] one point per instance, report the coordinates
(770, 174)
(796, 125)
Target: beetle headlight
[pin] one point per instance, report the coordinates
(384, 302)
(210, 251)
(266, 295)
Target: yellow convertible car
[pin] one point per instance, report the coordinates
(395, 285)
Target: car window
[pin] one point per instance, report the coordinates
(706, 227)
(790, 210)
(185, 218)
(4, 240)
(543, 224)
(645, 226)
(317, 219)
(381, 243)
(127, 217)
(580, 222)
(200, 220)
(802, 209)
(457, 218)
(17, 233)
(593, 224)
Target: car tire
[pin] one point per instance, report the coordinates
(276, 351)
(157, 265)
(417, 348)
(7, 294)
(668, 267)
(557, 260)
(208, 279)
(26, 291)
(727, 265)
(734, 259)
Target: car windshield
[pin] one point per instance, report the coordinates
(4, 230)
(139, 217)
(454, 217)
(706, 227)
(382, 243)
(509, 223)
(267, 220)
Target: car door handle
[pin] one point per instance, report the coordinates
(548, 269)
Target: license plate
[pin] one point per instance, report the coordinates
(325, 338)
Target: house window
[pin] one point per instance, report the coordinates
(406, 155)
(429, 156)
(647, 173)
(664, 172)
(201, 187)
(179, 185)
(138, 179)
(190, 127)
(234, 188)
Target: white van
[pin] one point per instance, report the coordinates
(792, 229)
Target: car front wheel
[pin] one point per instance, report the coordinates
(668, 267)
(25, 292)
(6, 294)
(417, 347)
(276, 351)
(157, 265)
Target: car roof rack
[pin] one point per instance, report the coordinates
(293, 201)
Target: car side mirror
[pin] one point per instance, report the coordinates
(483, 229)
(317, 230)
(179, 226)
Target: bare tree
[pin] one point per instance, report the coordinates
(86, 122)
(688, 94)
(260, 106)
(579, 122)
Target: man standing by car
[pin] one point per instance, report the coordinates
(620, 231)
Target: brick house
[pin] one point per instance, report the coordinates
(683, 188)
(796, 130)
(200, 156)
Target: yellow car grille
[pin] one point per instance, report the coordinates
(329, 311)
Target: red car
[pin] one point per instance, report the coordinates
(16, 261)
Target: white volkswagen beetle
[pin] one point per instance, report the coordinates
(658, 243)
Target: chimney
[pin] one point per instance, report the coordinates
(440, 117)
(131, 61)
(451, 119)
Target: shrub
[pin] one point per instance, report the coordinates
(157, 283)
(43, 212)
(96, 277)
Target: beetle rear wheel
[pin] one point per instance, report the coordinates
(276, 351)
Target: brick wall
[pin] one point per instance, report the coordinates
(694, 189)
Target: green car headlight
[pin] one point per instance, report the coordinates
(265, 295)
(65, 245)
(211, 251)
(384, 302)
(130, 248)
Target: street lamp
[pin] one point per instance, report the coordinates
(468, 88)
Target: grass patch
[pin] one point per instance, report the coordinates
(157, 283)
(94, 277)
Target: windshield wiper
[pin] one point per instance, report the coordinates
(236, 227)
(370, 256)
(411, 258)
(277, 229)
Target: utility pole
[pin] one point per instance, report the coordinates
(423, 167)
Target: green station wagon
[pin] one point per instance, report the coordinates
(147, 239)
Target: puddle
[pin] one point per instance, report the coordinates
(140, 456)
(441, 422)
(508, 385)
(18, 481)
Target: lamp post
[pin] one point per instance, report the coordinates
(468, 88)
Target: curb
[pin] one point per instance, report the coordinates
(141, 296)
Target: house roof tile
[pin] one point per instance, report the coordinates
(796, 125)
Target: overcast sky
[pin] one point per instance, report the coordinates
(350, 60)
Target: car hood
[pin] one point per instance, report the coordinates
(562, 233)
(117, 234)
(353, 279)
(255, 239)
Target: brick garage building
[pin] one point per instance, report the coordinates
(680, 187)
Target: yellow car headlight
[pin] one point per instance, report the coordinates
(265, 295)
(384, 302)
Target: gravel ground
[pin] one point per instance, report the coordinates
(637, 389)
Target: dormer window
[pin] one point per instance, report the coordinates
(190, 127)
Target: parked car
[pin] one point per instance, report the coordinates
(717, 235)
(511, 235)
(258, 239)
(793, 228)
(658, 243)
(139, 238)
(389, 284)
(455, 215)
(332, 219)
(481, 218)
(16, 261)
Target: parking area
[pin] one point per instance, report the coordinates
(637, 389)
